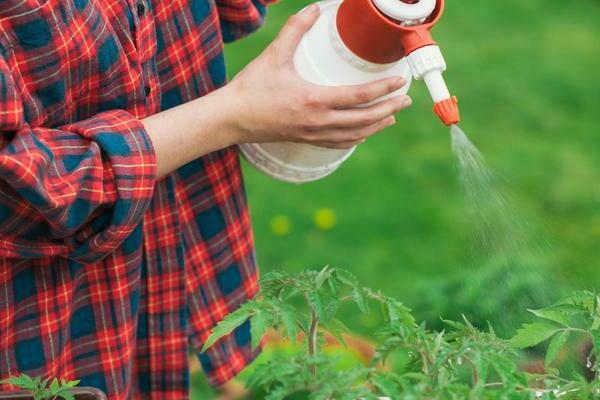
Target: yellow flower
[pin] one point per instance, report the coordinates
(281, 225)
(325, 219)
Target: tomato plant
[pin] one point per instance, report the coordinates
(459, 362)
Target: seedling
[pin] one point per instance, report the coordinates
(43, 389)
(460, 362)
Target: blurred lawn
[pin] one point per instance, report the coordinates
(524, 73)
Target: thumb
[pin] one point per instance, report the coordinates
(291, 34)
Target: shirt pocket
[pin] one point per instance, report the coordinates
(66, 59)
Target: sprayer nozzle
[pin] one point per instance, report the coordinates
(447, 110)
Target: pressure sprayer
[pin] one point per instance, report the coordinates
(355, 42)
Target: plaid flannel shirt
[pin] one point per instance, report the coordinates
(107, 275)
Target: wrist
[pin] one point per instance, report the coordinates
(207, 123)
(233, 113)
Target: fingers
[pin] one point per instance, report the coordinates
(358, 117)
(291, 34)
(355, 95)
(347, 138)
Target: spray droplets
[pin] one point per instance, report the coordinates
(503, 241)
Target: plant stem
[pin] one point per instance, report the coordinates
(312, 339)
(493, 384)
(582, 331)
(474, 369)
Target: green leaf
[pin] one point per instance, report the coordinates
(333, 286)
(398, 313)
(556, 344)
(387, 386)
(14, 381)
(316, 304)
(595, 324)
(228, 325)
(258, 327)
(360, 301)
(583, 300)
(24, 382)
(552, 315)
(337, 329)
(72, 384)
(54, 386)
(532, 334)
(36, 382)
(322, 276)
(288, 319)
(67, 395)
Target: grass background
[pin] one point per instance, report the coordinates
(525, 73)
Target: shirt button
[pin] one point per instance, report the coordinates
(141, 9)
(148, 90)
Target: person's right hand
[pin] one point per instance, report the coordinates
(269, 102)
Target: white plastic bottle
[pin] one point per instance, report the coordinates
(324, 58)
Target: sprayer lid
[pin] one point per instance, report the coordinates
(405, 10)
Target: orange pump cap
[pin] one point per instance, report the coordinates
(447, 110)
(376, 38)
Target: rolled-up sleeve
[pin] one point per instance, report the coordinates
(75, 191)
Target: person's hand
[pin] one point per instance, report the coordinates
(269, 102)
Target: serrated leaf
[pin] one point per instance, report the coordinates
(24, 381)
(416, 376)
(552, 315)
(595, 324)
(387, 386)
(360, 301)
(316, 304)
(398, 313)
(322, 276)
(228, 325)
(37, 381)
(584, 300)
(533, 334)
(10, 381)
(54, 386)
(72, 384)
(337, 329)
(453, 324)
(556, 344)
(288, 319)
(258, 327)
(346, 277)
(333, 286)
(67, 395)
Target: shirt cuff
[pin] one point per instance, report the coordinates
(130, 176)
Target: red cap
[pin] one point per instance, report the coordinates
(447, 110)
(374, 37)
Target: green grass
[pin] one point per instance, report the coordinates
(519, 69)
(524, 72)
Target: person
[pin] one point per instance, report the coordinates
(125, 234)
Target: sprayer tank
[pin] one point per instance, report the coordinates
(323, 59)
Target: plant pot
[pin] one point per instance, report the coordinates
(83, 393)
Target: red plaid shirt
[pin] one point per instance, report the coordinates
(107, 275)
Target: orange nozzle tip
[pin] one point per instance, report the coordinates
(447, 110)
